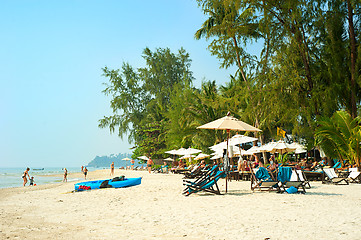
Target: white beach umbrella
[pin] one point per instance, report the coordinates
(254, 149)
(267, 147)
(188, 156)
(201, 156)
(299, 148)
(229, 123)
(282, 147)
(168, 159)
(240, 139)
(188, 151)
(144, 158)
(126, 159)
(216, 157)
(173, 152)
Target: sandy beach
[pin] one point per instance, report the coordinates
(156, 209)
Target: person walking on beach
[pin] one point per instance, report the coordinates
(112, 169)
(26, 176)
(65, 175)
(82, 169)
(132, 164)
(85, 172)
(149, 164)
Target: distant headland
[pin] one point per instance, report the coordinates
(105, 161)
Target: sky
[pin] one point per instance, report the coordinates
(51, 59)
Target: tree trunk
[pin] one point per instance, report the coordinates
(353, 59)
(239, 59)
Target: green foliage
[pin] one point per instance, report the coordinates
(340, 137)
(141, 98)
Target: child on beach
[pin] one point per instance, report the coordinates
(31, 181)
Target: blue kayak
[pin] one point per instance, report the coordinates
(109, 183)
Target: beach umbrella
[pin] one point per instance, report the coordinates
(172, 152)
(168, 159)
(282, 147)
(217, 156)
(229, 123)
(126, 159)
(187, 156)
(187, 151)
(254, 149)
(201, 156)
(267, 147)
(240, 139)
(299, 148)
(144, 158)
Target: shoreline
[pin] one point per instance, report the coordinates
(156, 209)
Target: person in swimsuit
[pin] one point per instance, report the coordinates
(112, 169)
(65, 175)
(26, 176)
(85, 172)
(149, 164)
(132, 164)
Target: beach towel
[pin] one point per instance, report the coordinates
(284, 174)
(263, 174)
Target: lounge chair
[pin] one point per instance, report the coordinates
(354, 175)
(202, 177)
(288, 178)
(208, 184)
(331, 177)
(263, 181)
(302, 177)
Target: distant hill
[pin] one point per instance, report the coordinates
(105, 161)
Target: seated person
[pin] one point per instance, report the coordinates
(272, 165)
(203, 164)
(181, 164)
(164, 167)
(314, 165)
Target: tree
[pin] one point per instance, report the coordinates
(141, 97)
(340, 137)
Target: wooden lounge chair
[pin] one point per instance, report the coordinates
(302, 177)
(208, 185)
(263, 181)
(331, 177)
(205, 176)
(289, 178)
(354, 176)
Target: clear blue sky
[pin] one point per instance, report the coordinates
(51, 57)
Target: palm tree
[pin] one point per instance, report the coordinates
(340, 137)
(226, 22)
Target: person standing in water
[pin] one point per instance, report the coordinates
(65, 175)
(26, 176)
(85, 172)
(112, 169)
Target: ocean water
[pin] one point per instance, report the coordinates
(12, 177)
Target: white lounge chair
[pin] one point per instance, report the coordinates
(354, 175)
(332, 177)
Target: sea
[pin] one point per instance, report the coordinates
(12, 177)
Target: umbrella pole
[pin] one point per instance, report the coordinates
(227, 159)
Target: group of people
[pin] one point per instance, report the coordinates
(26, 176)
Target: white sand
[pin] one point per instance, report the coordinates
(156, 209)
